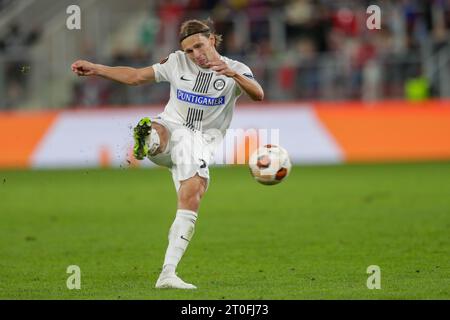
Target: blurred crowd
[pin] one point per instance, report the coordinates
(297, 49)
(4, 4)
(323, 49)
(15, 45)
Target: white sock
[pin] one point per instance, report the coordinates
(180, 234)
(153, 142)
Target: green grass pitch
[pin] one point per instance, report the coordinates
(311, 237)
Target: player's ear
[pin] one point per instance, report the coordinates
(212, 40)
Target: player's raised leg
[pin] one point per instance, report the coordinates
(181, 231)
(150, 138)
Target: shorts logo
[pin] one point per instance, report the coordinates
(219, 84)
(200, 100)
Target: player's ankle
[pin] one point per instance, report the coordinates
(168, 269)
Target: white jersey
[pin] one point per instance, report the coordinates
(200, 99)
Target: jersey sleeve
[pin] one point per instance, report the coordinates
(164, 69)
(246, 72)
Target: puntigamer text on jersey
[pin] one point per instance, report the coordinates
(199, 100)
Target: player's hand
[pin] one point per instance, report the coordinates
(84, 68)
(221, 68)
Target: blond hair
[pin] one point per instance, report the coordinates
(205, 27)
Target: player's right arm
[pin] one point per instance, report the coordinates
(126, 75)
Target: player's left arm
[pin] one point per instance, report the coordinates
(248, 85)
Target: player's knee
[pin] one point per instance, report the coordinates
(200, 186)
(191, 192)
(189, 202)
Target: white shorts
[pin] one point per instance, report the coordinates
(188, 152)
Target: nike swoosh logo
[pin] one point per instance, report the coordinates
(183, 78)
(184, 238)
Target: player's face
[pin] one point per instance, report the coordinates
(199, 49)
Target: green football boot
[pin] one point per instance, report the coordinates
(141, 133)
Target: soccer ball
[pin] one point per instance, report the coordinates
(270, 164)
